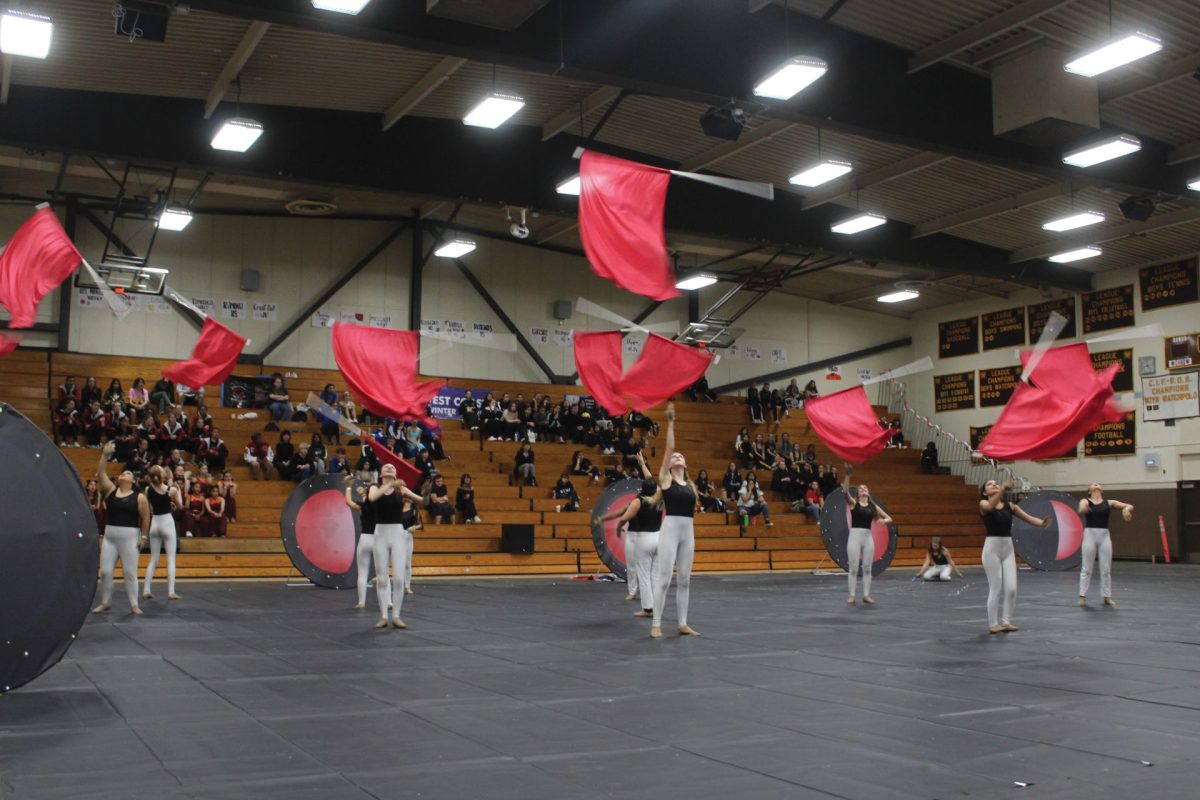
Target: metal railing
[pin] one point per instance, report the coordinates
(953, 453)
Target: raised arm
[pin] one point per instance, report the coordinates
(664, 472)
(1083, 507)
(849, 468)
(988, 506)
(1032, 520)
(102, 479)
(411, 495)
(642, 465)
(625, 514)
(350, 502)
(1126, 509)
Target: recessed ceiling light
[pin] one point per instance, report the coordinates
(791, 77)
(237, 135)
(1194, 184)
(340, 6)
(571, 185)
(859, 223)
(1100, 152)
(455, 249)
(899, 296)
(494, 110)
(697, 280)
(1074, 220)
(174, 219)
(821, 173)
(1116, 53)
(25, 34)
(1076, 255)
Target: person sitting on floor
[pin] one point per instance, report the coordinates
(751, 501)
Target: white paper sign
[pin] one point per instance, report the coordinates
(431, 326)
(833, 373)
(154, 304)
(734, 352)
(265, 311)
(563, 338)
(233, 309)
(380, 320)
(322, 319)
(752, 353)
(1170, 396)
(539, 335)
(864, 374)
(483, 331)
(456, 328)
(351, 317)
(90, 298)
(778, 355)
(633, 345)
(206, 305)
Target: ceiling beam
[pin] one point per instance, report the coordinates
(557, 229)
(574, 114)
(1099, 235)
(891, 172)
(1184, 152)
(989, 210)
(421, 89)
(995, 50)
(233, 67)
(988, 29)
(764, 132)
(1180, 68)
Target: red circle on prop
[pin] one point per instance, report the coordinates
(325, 531)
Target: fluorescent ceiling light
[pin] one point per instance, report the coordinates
(791, 77)
(1116, 53)
(494, 110)
(340, 6)
(697, 280)
(899, 296)
(859, 223)
(174, 219)
(455, 249)
(1107, 150)
(821, 173)
(1194, 184)
(1072, 221)
(237, 135)
(1076, 255)
(571, 185)
(25, 34)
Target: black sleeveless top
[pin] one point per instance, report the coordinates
(680, 500)
(938, 558)
(1097, 514)
(160, 503)
(861, 516)
(389, 509)
(366, 516)
(648, 518)
(122, 511)
(408, 518)
(999, 522)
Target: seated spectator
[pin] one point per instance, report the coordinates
(699, 390)
(214, 509)
(781, 479)
(302, 467)
(792, 394)
(228, 491)
(68, 391)
(67, 424)
(162, 396)
(339, 464)
(212, 450)
(810, 390)
(510, 420)
(814, 501)
(929, 459)
(771, 447)
(754, 403)
(464, 499)
(260, 457)
(582, 466)
(731, 483)
(897, 439)
(90, 394)
(810, 454)
(347, 408)
(786, 448)
(629, 449)
(425, 464)
(113, 395)
(329, 426)
(278, 402)
(490, 422)
(828, 480)
(317, 452)
(771, 402)
(438, 502)
(564, 490)
(367, 467)
(704, 487)
(196, 519)
(758, 453)
(638, 421)
(751, 501)
(523, 467)
(96, 423)
(125, 440)
(468, 411)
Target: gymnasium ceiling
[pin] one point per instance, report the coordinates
(365, 112)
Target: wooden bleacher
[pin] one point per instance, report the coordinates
(923, 505)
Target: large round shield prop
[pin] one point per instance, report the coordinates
(835, 532)
(49, 552)
(320, 532)
(609, 546)
(1053, 549)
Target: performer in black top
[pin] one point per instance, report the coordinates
(999, 559)
(162, 496)
(1095, 510)
(938, 562)
(638, 513)
(676, 538)
(128, 518)
(356, 498)
(860, 545)
(391, 544)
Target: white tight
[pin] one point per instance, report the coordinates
(162, 535)
(408, 553)
(121, 542)
(362, 558)
(631, 560)
(647, 554)
(390, 548)
(937, 573)
(860, 546)
(1096, 541)
(676, 549)
(1000, 564)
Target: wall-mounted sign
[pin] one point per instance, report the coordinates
(958, 337)
(1169, 284)
(1004, 328)
(1171, 396)
(1123, 380)
(996, 385)
(954, 392)
(1106, 309)
(1041, 312)
(1112, 438)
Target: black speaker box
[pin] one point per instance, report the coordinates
(516, 538)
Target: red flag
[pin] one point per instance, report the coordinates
(214, 356)
(380, 367)
(404, 470)
(39, 257)
(8, 342)
(621, 223)
(847, 424)
(663, 369)
(1068, 399)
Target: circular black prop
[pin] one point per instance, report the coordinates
(1053, 549)
(835, 531)
(49, 552)
(609, 546)
(320, 532)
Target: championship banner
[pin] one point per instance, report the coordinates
(977, 435)
(447, 403)
(320, 532)
(609, 546)
(1113, 438)
(1169, 284)
(1004, 328)
(1171, 396)
(1123, 380)
(996, 385)
(1106, 309)
(1039, 314)
(958, 337)
(1053, 549)
(954, 392)
(246, 392)
(835, 532)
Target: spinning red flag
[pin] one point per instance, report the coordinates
(847, 424)
(214, 357)
(8, 342)
(663, 369)
(380, 367)
(39, 257)
(1068, 399)
(404, 470)
(621, 223)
